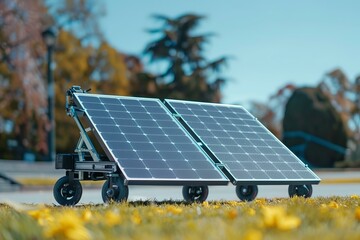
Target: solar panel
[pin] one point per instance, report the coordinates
(148, 145)
(248, 151)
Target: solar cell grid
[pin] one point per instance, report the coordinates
(145, 140)
(241, 143)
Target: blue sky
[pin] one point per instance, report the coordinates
(271, 42)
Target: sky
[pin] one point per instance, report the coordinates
(270, 43)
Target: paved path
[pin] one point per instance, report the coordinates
(19, 169)
(174, 193)
(22, 169)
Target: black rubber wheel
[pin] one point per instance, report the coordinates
(117, 192)
(247, 193)
(195, 194)
(67, 193)
(300, 190)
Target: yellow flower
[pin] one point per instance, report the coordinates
(216, 206)
(112, 218)
(136, 218)
(252, 235)
(232, 214)
(68, 225)
(333, 204)
(236, 203)
(357, 213)
(251, 212)
(261, 201)
(160, 211)
(205, 204)
(174, 210)
(43, 216)
(289, 222)
(276, 217)
(87, 216)
(355, 196)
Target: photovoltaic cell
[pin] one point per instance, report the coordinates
(240, 142)
(141, 135)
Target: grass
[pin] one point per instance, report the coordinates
(37, 181)
(296, 218)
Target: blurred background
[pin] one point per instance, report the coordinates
(295, 66)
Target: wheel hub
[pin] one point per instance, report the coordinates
(112, 192)
(198, 191)
(195, 192)
(302, 190)
(244, 190)
(67, 192)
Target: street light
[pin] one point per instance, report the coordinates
(49, 37)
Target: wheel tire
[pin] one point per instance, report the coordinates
(300, 190)
(67, 193)
(117, 192)
(247, 192)
(195, 194)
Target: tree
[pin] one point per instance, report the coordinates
(102, 69)
(109, 71)
(344, 96)
(22, 101)
(187, 74)
(271, 113)
(313, 128)
(23, 92)
(142, 83)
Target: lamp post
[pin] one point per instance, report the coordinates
(49, 37)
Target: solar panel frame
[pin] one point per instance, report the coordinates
(97, 111)
(265, 175)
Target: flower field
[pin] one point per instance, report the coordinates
(295, 218)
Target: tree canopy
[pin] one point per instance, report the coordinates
(21, 79)
(188, 74)
(23, 94)
(83, 57)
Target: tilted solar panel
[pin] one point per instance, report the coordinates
(149, 146)
(248, 151)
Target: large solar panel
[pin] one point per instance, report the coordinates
(248, 151)
(149, 146)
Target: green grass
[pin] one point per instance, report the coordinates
(296, 218)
